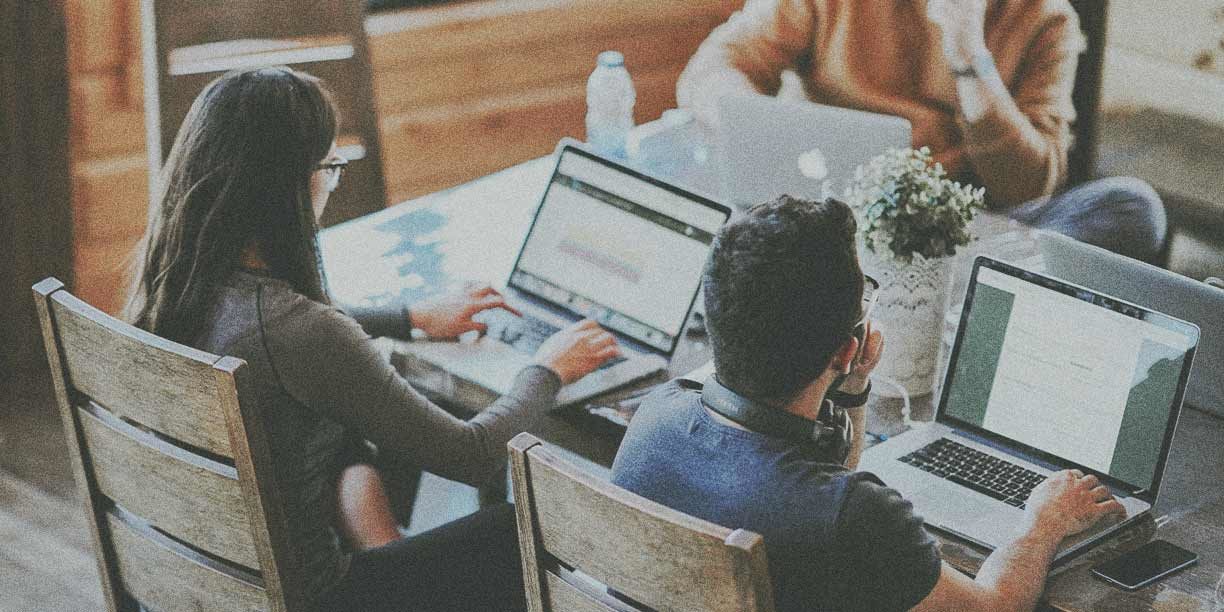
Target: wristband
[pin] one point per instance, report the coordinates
(414, 332)
(980, 66)
(846, 400)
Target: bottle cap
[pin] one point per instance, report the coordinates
(611, 59)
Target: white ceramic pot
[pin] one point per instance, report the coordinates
(910, 312)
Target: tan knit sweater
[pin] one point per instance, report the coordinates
(885, 56)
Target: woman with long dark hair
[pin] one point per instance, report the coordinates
(230, 265)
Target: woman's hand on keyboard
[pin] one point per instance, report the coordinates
(577, 350)
(447, 316)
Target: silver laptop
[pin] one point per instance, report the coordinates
(607, 243)
(766, 147)
(1155, 288)
(1044, 376)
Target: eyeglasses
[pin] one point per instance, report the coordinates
(871, 294)
(334, 169)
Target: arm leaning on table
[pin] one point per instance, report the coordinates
(1013, 577)
(886, 543)
(1016, 134)
(326, 361)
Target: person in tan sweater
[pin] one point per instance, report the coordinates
(986, 84)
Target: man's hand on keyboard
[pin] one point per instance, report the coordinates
(577, 350)
(447, 316)
(1071, 502)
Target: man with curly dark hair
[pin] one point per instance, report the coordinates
(783, 297)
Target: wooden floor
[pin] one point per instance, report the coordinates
(46, 560)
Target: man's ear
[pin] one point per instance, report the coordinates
(844, 357)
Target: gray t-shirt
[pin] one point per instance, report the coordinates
(836, 540)
(323, 387)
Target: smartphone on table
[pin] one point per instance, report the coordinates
(1145, 565)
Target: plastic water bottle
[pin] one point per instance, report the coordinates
(610, 99)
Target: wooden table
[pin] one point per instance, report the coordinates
(473, 231)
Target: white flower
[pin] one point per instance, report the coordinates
(908, 208)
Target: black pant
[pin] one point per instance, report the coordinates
(471, 564)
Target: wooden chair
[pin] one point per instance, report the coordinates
(175, 474)
(188, 43)
(590, 546)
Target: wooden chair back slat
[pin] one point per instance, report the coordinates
(174, 28)
(186, 496)
(565, 595)
(164, 575)
(192, 22)
(176, 475)
(338, 75)
(137, 375)
(651, 554)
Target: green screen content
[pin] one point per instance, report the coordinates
(1062, 375)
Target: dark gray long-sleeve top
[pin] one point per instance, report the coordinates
(322, 386)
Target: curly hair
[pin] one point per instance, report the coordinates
(783, 291)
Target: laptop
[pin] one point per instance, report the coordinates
(1155, 288)
(1044, 375)
(607, 243)
(766, 147)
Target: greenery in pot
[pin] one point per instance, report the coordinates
(907, 206)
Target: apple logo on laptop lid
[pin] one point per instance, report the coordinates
(813, 165)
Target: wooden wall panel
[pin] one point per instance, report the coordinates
(101, 270)
(105, 124)
(95, 33)
(461, 91)
(111, 199)
(428, 81)
(445, 145)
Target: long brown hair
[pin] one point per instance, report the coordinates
(238, 175)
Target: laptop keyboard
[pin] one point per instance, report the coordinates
(971, 468)
(526, 334)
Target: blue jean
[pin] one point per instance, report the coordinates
(1122, 214)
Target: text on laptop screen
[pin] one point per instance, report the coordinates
(1067, 376)
(618, 249)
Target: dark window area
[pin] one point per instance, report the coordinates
(384, 5)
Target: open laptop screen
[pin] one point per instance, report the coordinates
(1079, 376)
(618, 247)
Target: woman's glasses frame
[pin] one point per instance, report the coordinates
(335, 169)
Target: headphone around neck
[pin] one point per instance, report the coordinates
(828, 436)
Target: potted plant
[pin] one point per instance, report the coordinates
(911, 218)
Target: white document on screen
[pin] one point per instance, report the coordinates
(1064, 376)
